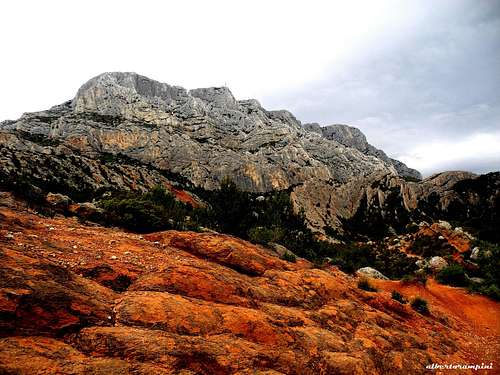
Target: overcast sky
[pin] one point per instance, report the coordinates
(420, 78)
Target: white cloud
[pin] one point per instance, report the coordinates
(436, 156)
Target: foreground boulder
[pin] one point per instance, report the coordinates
(436, 263)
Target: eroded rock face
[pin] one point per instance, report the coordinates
(198, 303)
(373, 206)
(353, 137)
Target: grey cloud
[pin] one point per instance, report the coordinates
(441, 80)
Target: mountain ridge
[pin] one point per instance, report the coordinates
(144, 129)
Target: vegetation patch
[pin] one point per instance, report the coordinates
(148, 212)
(489, 269)
(289, 257)
(395, 295)
(366, 285)
(416, 278)
(420, 305)
(454, 274)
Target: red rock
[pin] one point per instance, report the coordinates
(205, 303)
(226, 250)
(38, 297)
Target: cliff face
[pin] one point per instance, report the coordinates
(353, 137)
(206, 134)
(126, 131)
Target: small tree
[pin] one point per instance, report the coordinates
(420, 305)
(366, 285)
(289, 257)
(454, 275)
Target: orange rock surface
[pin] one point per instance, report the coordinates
(78, 298)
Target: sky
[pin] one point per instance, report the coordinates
(420, 78)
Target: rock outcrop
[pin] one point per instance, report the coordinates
(79, 299)
(371, 273)
(353, 137)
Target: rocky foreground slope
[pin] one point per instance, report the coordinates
(81, 299)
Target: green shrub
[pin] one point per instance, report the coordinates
(420, 305)
(454, 274)
(489, 266)
(407, 279)
(421, 278)
(148, 212)
(427, 246)
(366, 285)
(395, 295)
(417, 278)
(490, 290)
(289, 257)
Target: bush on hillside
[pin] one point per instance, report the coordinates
(395, 295)
(264, 235)
(489, 266)
(366, 285)
(148, 212)
(289, 257)
(416, 278)
(454, 274)
(420, 305)
(427, 246)
(353, 256)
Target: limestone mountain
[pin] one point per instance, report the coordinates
(124, 131)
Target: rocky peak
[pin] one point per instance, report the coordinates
(347, 135)
(216, 96)
(313, 127)
(353, 137)
(284, 116)
(129, 95)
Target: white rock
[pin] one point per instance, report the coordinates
(113, 257)
(475, 253)
(371, 272)
(437, 263)
(444, 224)
(476, 280)
(422, 263)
